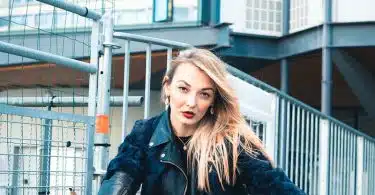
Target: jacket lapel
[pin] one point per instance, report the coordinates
(163, 134)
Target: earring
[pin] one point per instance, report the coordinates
(166, 102)
(212, 110)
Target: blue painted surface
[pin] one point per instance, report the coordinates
(235, 44)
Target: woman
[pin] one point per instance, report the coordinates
(200, 145)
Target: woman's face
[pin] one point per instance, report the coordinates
(191, 94)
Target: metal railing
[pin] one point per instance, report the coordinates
(319, 153)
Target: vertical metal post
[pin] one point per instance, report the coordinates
(45, 160)
(91, 111)
(284, 88)
(331, 156)
(316, 134)
(292, 147)
(148, 82)
(284, 76)
(90, 132)
(271, 130)
(16, 168)
(298, 146)
(326, 61)
(94, 57)
(288, 133)
(286, 16)
(323, 156)
(284, 63)
(125, 88)
(169, 58)
(102, 117)
(282, 130)
(311, 154)
(359, 175)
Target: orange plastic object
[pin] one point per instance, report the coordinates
(102, 124)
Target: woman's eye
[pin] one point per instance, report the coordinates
(205, 95)
(183, 89)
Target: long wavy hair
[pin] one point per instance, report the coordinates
(220, 137)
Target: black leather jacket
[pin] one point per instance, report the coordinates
(149, 156)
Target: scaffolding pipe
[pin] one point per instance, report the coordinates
(148, 82)
(102, 141)
(47, 57)
(126, 88)
(70, 7)
(115, 101)
(45, 160)
(169, 58)
(150, 40)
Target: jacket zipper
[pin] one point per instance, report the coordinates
(186, 179)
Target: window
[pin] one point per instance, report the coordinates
(263, 16)
(20, 2)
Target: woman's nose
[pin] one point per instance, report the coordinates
(191, 100)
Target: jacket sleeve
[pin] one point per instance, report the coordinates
(259, 177)
(125, 172)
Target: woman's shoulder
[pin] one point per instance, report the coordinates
(143, 130)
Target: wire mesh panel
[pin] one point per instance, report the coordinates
(43, 155)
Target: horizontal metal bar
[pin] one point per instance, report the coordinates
(46, 57)
(150, 40)
(65, 101)
(76, 187)
(82, 11)
(39, 170)
(36, 113)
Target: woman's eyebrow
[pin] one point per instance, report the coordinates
(203, 89)
(184, 82)
(208, 88)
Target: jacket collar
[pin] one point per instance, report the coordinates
(163, 131)
(163, 135)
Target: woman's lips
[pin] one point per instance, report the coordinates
(188, 115)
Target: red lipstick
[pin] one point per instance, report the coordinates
(188, 115)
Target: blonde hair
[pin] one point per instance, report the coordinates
(220, 137)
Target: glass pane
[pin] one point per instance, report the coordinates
(160, 10)
(264, 15)
(270, 27)
(248, 25)
(249, 3)
(248, 14)
(256, 5)
(256, 25)
(256, 15)
(278, 5)
(278, 17)
(271, 17)
(272, 5)
(278, 27)
(264, 4)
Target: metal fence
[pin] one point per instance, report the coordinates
(43, 152)
(319, 153)
(46, 152)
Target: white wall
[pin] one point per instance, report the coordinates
(353, 11)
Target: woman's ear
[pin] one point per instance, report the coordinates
(166, 84)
